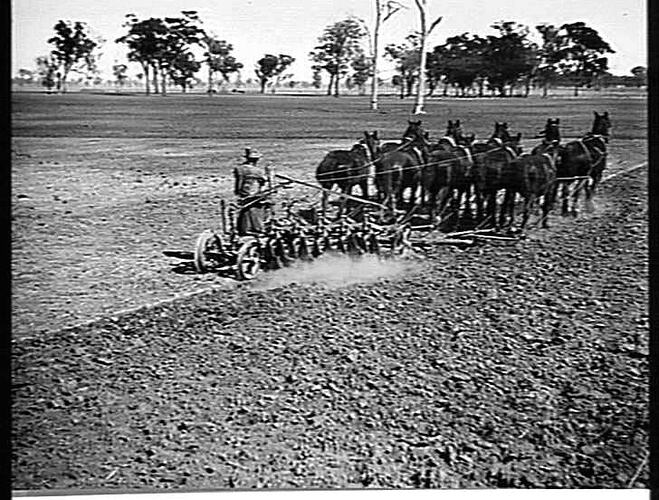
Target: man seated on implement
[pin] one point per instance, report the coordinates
(250, 180)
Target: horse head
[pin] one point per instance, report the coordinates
(372, 142)
(469, 139)
(414, 130)
(501, 132)
(454, 131)
(601, 125)
(551, 132)
(415, 134)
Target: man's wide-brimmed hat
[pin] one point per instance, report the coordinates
(252, 154)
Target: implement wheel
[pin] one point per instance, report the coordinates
(207, 241)
(248, 260)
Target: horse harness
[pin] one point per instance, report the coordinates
(602, 152)
(367, 152)
(467, 153)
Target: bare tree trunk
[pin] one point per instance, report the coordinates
(155, 79)
(576, 90)
(336, 85)
(425, 31)
(545, 89)
(420, 90)
(63, 83)
(145, 67)
(331, 84)
(376, 35)
(163, 77)
(210, 79)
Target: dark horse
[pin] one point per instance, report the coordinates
(348, 168)
(448, 173)
(397, 166)
(493, 170)
(533, 176)
(586, 157)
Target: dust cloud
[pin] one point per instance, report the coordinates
(335, 270)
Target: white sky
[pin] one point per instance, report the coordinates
(257, 27)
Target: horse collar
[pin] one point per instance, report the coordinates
(512, 152)
(467, 153)
(418, 152)
(367, 152)
(450, 140)
(549, 157)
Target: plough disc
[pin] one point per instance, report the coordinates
(248, 260)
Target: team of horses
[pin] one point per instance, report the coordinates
(457, 174)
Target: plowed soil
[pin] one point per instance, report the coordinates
(493, 366)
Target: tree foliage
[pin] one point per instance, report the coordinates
(407, 57)
(73, 49)
(337, 46)
(509, 57)
(219, 59)
(163, 46)
(549, 56)
(362, 70)
(182, 69)
(459, 62)
(582, 54)
(271, 66)
(641, 75)
(47, 69)
(119, 72)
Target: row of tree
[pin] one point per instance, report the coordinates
(168, 49)
(497, 62)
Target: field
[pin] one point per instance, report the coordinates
(497, 366)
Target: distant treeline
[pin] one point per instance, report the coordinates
(173, 50)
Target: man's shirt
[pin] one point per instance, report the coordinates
(249, 179)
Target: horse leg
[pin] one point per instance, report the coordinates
(589, 192)
(432, 201)
(491, 199)
(529, 202)
(363, 185)
(565, 199)
(443, 194)
(548, 204)
(468, 208)
(504, 208)
(479, 203)
(575, 198)
(458, 205)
